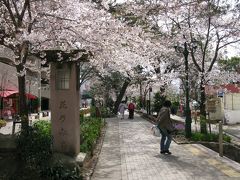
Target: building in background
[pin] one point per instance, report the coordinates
(229, 102)
(37, 94)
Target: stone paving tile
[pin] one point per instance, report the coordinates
(109, 163)
(131, 152)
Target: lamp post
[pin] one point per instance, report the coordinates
(1, 107)
(149, 93)
(188, 111)
(39, 87)
(184, 50)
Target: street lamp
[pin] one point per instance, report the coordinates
(39, 87)
(149, 110)
(184, 50)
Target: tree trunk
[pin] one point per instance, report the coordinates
(203, 124)
(144, 104)
(22, 98)
(121, 94)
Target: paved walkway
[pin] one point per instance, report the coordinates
(131, 152)
(9, 126)
(234, 130)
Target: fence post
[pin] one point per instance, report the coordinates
(220, 139)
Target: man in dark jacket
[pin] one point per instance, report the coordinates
(165, 126)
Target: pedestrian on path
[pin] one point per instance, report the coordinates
(165, 126)
(131, 108)
(121, 109)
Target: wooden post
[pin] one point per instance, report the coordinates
(195, 116)
(209, 124)
(195, 119)
(220, 139)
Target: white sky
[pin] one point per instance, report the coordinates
(233, 50)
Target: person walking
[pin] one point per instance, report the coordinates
(131, 108)
(165, 126)
(121, 108)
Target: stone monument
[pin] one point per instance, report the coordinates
(64, 105)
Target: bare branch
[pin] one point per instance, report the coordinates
(231, 42)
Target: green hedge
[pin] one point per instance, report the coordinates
(34, 144)
(209, 137)
(34, 147)
(103, 112)
(90, 130)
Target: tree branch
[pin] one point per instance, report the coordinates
(26, 3)
(15, 7)
(61, 18)
(7, 4)
(206, 43)
(232, 42)
(215, 54)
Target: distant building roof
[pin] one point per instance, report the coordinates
(227, 88)
(232, 88)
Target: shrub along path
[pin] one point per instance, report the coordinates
(131, 152)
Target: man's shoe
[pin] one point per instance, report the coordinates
(167, 152)
(162, 152)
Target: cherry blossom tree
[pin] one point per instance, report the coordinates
(31, 26)
(212, 25)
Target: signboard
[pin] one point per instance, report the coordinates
(213, 104)
(220, 93)
(211, 107)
